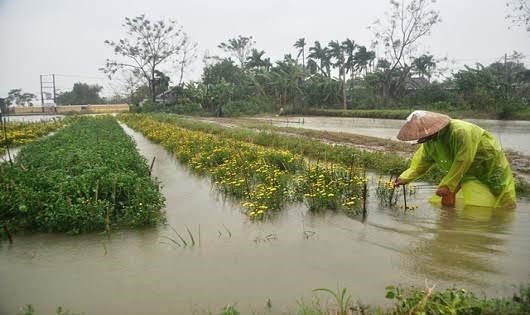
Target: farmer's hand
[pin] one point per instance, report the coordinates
(448, 197)
(443, 191)
(398, 182)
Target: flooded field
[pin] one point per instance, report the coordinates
(235, 261)
(31, 118)
(510, 134)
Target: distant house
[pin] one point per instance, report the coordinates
(169, 96)
(418, 83)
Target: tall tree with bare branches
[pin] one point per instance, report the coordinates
(408, 22)
(147, 46)
(240, 47)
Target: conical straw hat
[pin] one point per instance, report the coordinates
(422, 124)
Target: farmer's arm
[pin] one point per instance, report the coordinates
(419, 165)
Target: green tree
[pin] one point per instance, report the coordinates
(256, 61)
(322, 91)
(423, 66)
(320, 57)
(81, 94)
(17, 97)
(13, 96)
(363, 59)
(300, 44)
(338, 53)
(147, 46)
(239, 47)
(161, 82)
(285, 80)
(225, 82)
(349, 48)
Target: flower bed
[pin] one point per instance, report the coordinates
(20, 133)
(265, 179)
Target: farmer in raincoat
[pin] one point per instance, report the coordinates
(475, 165)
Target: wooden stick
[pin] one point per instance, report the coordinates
(9, 237)
(364, 194)
(152, 164)
(405, 196)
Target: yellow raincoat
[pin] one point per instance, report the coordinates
(475, 164)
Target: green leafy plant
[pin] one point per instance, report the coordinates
(86, 177)
(342, 298)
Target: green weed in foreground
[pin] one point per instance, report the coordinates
(455, 301)
(342, 298)
(409, 301)
(427, 301)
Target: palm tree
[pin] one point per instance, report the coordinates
(349, 47)
(284, 79)
(337, 52)
(424, 65)
(300, 44)
(255, 61)
(363, 59)
(312, 66)
(321, 54)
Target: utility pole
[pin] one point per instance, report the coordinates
(506, 81)
(47, 82)
(41, 92)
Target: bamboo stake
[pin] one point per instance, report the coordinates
(405, 197)
(152, 164)
(364, 194)
(9, 237)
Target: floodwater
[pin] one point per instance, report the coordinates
(511, 134)
(32, 118)
(235, 261)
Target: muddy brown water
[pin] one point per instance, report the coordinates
(244, 263)
(511, 134)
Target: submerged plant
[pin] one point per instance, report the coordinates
(389, 196)
(230, 310)
(331, 187)
(342, 298)
(181, 241)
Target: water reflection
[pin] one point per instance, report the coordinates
(462, 244)
(32, 118)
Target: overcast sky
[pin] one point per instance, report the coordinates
(66, 37)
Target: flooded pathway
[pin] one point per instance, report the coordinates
(511, 134)
(235, 261)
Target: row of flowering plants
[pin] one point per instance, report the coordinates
(20, 133)
(86, 177)
(264, 179)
